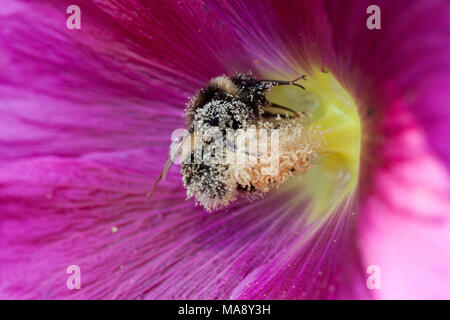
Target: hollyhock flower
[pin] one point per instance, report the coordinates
(86, 123)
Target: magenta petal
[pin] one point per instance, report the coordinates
(324, 266)
(57, 213)
(111, 85)
(284, 36)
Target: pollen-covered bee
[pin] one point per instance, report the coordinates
(228, 119)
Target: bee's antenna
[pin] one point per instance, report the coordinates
(288, 83)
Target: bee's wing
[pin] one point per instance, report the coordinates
(174, 152)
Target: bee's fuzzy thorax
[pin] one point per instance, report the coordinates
(241, 87)
(297, 153)
(226, 84)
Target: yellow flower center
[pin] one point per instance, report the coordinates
(334, 178)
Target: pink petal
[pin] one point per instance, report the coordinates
(405, 227)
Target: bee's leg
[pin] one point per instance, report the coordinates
(287, 83)
(175, 151)
(271, 110)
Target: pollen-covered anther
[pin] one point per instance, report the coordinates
(294, 150)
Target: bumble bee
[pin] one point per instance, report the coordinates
(234, 104)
